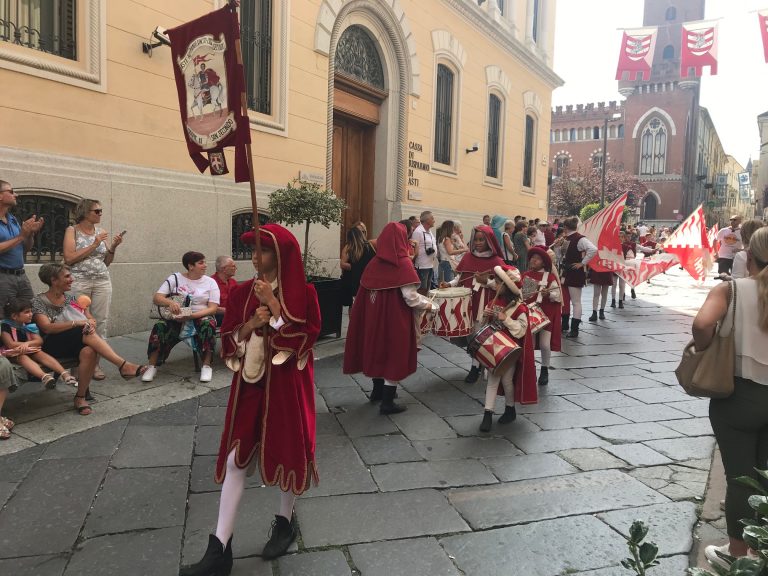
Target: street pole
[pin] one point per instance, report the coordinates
(605, 161)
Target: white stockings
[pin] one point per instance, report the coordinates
(575, 294)
(599, 295)
(492, 388)
(545, 344)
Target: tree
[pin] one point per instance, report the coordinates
(575, 189)
(589, 210)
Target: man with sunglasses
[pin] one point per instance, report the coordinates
(730, 243)
(15, 240)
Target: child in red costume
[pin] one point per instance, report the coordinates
(381, 338)
(517, 383)
(267, 336)
(541, 277)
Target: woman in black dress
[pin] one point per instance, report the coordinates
(355, 255)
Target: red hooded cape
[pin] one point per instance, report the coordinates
(553, 310)
(470, 264)
(381, 338)
(276, 415)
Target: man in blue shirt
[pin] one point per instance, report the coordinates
(15, 239)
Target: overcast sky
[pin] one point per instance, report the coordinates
(587, 45)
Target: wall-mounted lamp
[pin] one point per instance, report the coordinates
(158, 34)
(475, 148)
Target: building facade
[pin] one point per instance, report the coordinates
(399, 105)
(761, 190)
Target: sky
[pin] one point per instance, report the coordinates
(587, 43)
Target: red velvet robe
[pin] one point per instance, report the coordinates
(470, 264)
(275, 416)
(553, 310)
(526, 389)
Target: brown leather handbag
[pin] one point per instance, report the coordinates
(709, 373)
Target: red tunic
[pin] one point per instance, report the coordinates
(526, 390)
(553, 310)
(471, 264)
(600, 278)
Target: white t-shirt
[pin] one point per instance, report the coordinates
(202, 292)
(642, 230)
(425, 240)
(730, 242)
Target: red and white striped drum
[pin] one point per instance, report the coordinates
(537, 319)
(452, 320)
(493, 347)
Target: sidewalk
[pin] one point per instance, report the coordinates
(613, 438)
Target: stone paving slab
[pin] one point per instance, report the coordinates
(148, 446)
(327, 563)
(684, 448)
(575, 362)
(102, 441)
(556, 440)
(424, 426)
(14, 467)
(528, 549)
(468, 426)
(6, 489)
(582, 419)
(52, 565)
(638, 455)
(690, 427)
(202, 476)
(402, 558)
(697, 408)
(208, 440)
(327, 424)
(659, 395)
(385, 449)
(673, 566)
(622, 382)
(587, 459)
(340, 468)
(464, 448)
(351, 517)
(548, 404)
(542, 499)
(365, 421)
(607, 371)
(629, 433)
(433, 474)
(603, 401)
(252, 566)
(177, 414)
(652, 413)
(563, 387)
(449, 402)
(527, 466)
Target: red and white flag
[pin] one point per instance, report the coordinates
(602, 229)
(714, 244)
(763, 17)
(636, 57)
(690, 244)
(699, 47)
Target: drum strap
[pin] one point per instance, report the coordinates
(543, 286)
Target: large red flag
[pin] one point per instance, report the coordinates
(762, 15)
(636, 57)
(210, 82)
(691, 245)
(699, 47)
(602, 229)
(714, 244)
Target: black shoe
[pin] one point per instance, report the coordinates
(473, 375)
(281, 536)
(509, 415)
(574, 333)
(216, 562)
(388, 405)
(485, 425)
(621, 304)
(593, 318)
(88, 396)
(613, 302)
(602, 314)
(378, 387)
(544, 376)
(632, 293)
(565, 318)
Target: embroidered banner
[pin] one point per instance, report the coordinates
(699, 47)
(209, 82)
(636, 56)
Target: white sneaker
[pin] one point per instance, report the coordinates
(206, 373)
(710, 552)
(149, 374)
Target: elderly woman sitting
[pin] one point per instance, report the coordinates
(69, 331)
(195, 323)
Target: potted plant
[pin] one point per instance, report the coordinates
(307, 203)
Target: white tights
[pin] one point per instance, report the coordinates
(232, 492)
(492, 388)
(599, 294)
(622, 287)
(545, 340)
(575, 294)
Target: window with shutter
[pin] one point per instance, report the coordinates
(494, 136)
(444, 114)
(530, 125)
(256, 39)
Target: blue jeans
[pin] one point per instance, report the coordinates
(446, 272)
(425, 275)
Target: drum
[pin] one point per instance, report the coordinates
(452, 320)
(493, 347)
(537, 319)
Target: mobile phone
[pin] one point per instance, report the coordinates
(123, 232)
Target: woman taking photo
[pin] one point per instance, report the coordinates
(355, 255)
(87, 254)
(740, 421)
(447, 251)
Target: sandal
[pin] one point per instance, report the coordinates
(84, 410)
(68, 379)
(88, 395)
(48, 381)
(5, 433)
(139, 371)
(7, 422)
(98, 374)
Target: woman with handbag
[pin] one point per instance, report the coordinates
(740, 420)
(70, 331)
(185, 305)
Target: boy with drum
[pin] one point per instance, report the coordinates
(541, 287)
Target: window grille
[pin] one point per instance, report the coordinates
(48, 244)
(243, 222)
(494, 136)
(46, 25)
(653, 148)
(256, 41)
(357, 56)
(443, 114)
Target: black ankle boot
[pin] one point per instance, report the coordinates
(281, 536)
(574, 333)
(565, 318)
(621, 304)
(216, 562)
(613, 302)
(593, 318)
(602, 314)
(473, 375)
(388, 405)
(509, 415)
(376, 393)
(485, 425)
(544, 376)
(632, 293)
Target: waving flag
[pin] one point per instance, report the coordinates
(699, 47)
(763, 17)
(691, 245)
(714, 245)
(636, 57)
(602, 229)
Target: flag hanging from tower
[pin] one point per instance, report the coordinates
(636, 57)
(763, 17)
(699, 47)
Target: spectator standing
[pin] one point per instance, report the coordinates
(740, 259)
(507, 246)
(487, 220)
(549, 234)
(458, 243)
(540, 239)
(355, 256)
(730, 243)
(15, 239)
(521, 244)
(88, 257)
(225, 280)
(427, 248)
(642, 229)
(447, 251)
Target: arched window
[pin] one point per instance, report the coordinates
(444, 99)
(597, 160)
(494, 137)
(671, 13)
(669, 52)
(612, 132)
(357, 56)
(530, 143)
(596, 133)
(243, 222)
(649, 207)
(49, 242)
(653, 148)
(621, 130)
(573, 133)
(557, 135)
(561, 164)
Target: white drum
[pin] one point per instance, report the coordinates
(453, 319)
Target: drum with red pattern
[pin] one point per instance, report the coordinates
(493, 347)
(537, 319)
(452, 320)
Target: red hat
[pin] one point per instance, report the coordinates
(249, 238)
(472, 263)
(511, 278)
(543, 254)
(391, 267)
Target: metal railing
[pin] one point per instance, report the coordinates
(48, 27)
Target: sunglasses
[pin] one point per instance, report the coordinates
(98, 211)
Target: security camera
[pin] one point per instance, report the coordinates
(161, 34)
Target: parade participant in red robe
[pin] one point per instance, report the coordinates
(518, 382)
(578, 250)
(267, 336)
(381, 338)
(629, 250)
(474, 271)
(601, 282)
(545, 291)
